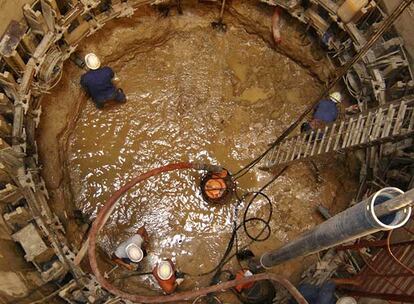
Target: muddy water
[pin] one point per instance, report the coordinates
(203, 96)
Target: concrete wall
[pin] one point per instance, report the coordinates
(404, 25)
(10, 9)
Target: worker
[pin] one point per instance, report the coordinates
(97, 82)
(130, 252)
(325, 112)
(324, 294)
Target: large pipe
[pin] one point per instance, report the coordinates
(360, 220)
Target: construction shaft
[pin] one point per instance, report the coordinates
(387, 209)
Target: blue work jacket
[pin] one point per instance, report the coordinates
(326, 111)
(98, 84)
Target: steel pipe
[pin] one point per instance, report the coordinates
(353, 223)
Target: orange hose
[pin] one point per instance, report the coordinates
(103, 216)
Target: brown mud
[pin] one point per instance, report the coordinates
(193, 94)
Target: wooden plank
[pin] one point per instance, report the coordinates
(367, 128)
(302, 145)
(5, 127)
(72, 15)
(347, 132)
(338, 135)
(315, 142)
(27, 78)
(358, 130)
(4, 175)
(297, 144)
(269, 157)
(400, 118)
(10, 194)
(15, 62)
(388, 121)
(411, 123)
(3, 144)
(277, 155)
(377, 125)
(35, 20)
(6, 106)
(12, 37)
(81, 31)
(44, 45)
(351, 130)
(309, 143)
(29, 43)
(9, 84)
(48, 14)
(331, 135)
(325, 135)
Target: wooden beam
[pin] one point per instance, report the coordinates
(35, 20)
(15, 62)
(6, 106)
(5, 127)
(74, 37)
(29, 42)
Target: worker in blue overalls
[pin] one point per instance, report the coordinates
(325, 112)
(97, 82)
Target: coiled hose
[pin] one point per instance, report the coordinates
(103, 216)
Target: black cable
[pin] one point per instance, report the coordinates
(226, 256)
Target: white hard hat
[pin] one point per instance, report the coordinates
(336, 97)
(164, 270)
(346, 300)
(134, 253)
(92, 61)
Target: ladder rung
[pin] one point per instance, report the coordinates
(325, 135)
(288, 149)
(351, 133)
(338, 136)
(309, 143)
(302, 145)
(348, 132)
(411, 124)
(328, 145)
(358, 130)
(297, 142)
(377, 126)
(367, 128)
(400, 118)
(315, 142)
(388, 122)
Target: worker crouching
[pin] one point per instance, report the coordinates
(325, 112)
(129, 253)
(97, 82)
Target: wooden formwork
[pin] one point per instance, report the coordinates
(32, 54)
(30, 49)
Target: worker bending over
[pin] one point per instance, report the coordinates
(97, 82)
(133, 250)
(325, 112)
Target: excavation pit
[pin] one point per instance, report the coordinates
(196, 94)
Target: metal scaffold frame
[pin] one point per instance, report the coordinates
(32, 55)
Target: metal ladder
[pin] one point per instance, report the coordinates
(390, 122)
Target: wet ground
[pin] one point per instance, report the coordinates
(201, 95)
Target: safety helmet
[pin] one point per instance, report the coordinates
(92, 61)
(165, 270)
(336, 97)
(134, 253)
